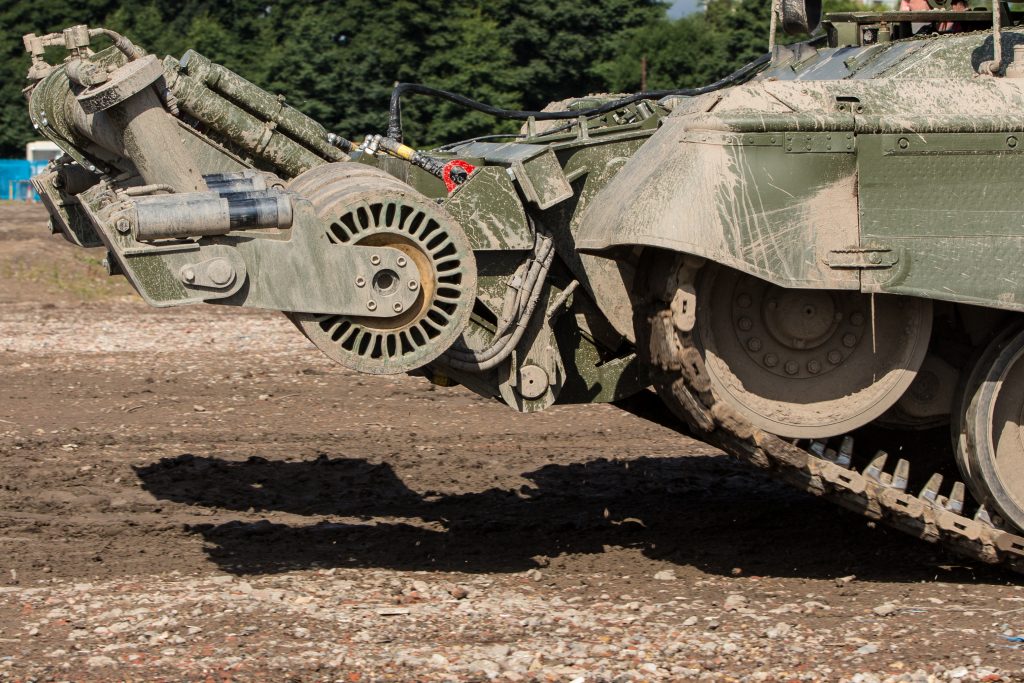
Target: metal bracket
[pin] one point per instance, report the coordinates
(542, 180)
(214, 273)
(862, 258)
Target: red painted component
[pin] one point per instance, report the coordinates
(446, 173)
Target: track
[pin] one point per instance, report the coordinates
(821, 469)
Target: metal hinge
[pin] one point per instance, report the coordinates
(862, 258)
(830, 142)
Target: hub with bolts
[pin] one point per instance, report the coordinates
(796, 333)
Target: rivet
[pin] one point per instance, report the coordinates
(360, 281)
(743, 301)
(189, 275)
(772, 304)
(835, 357)
(754, 344)
(813, 367)
(372, 305)
(375, 260)
(849, 340)
(903, 143)
(401, 262)
(1011, 141)
(744, 323)
(771, 360)
(792, 368)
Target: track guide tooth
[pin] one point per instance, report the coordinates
(901, 475)
(982, 516)
(817, 447)
(955, 502)
(845, 457)
(930, 492)
(830, 454)
(876, 467)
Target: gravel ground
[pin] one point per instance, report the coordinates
(198, 495)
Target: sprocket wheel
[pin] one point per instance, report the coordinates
(361, 205)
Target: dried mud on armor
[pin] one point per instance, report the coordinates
(198, 494)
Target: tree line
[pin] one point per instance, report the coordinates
(337, 61)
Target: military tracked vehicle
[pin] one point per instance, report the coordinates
(827, 241)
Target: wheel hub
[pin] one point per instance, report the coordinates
(796, 333)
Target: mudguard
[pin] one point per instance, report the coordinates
(770, 204)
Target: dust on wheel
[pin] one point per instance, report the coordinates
(807, 362)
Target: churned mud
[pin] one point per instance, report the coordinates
(197, 494)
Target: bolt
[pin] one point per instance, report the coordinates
(189, 275)
(401, 262)
(857, 318)
(771, 360)
(849, 341)
(1011, 141)
(903, 143)
(743, 301)
(375, 260)
(398, 307)
(875, 258)
(744, 323)
(220, 272)
(772, 304)
(835, 357)
(123, 225)
(813, 367)
(754, 344)
(360, 281)
(792, 368)
(413, 285)
(372, 305)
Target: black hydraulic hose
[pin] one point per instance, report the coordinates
(395, 110)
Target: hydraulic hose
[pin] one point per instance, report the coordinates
(395, 109)
(507, 337)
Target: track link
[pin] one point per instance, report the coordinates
(677, 369)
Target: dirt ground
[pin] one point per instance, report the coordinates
(198, 495)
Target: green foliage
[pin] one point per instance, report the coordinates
(696, 49)
(338, 62)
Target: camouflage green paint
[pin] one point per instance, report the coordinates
(489, 210)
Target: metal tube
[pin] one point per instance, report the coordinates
(257, 137)
(140, 129)
(261, 103)
(196, 214)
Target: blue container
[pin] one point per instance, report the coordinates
(14, 175)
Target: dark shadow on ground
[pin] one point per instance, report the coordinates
(706, 511)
